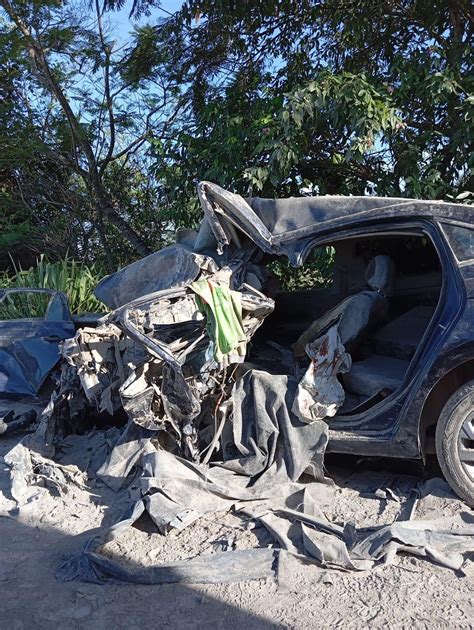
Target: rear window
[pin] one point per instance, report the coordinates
(461, 240)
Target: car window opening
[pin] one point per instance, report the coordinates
(383, 290)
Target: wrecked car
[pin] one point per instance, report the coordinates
(226, 391)
(383, 355)
(401, 299)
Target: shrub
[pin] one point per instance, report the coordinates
(75, 279)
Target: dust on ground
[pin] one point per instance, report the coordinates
(410, 592)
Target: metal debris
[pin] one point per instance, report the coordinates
(14, 424)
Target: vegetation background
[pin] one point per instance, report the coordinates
(112, 110)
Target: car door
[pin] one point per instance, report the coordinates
(32, 324)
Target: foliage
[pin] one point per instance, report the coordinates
(317, 271)
(24, 304)
(76, 280)
(104, 135)
(73, 131)
(330, 96)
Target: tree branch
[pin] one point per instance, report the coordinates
(92, 176)
(107, 95)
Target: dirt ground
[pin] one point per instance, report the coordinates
(411, 592)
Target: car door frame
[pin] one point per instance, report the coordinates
(387, 428)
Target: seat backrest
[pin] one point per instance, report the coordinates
(356, 313)
(380, 274)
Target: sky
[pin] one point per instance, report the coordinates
(123, 25)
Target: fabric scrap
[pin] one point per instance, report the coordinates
(223, 310)
(320, 394)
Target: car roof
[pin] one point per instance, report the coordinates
(286, 226)
(284, 218)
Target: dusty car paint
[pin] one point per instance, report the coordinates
(29, 346)
(288, 226)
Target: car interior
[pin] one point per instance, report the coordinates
(383, 292)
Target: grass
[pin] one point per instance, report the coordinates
(73, 278)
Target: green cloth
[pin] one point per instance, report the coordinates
(223, 310)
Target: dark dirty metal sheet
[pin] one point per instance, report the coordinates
(29, 347)
(170, 267)
(12, 424)
(279, 226)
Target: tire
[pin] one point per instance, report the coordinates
(455, 442)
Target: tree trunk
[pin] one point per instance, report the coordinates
(126, 230)
(91, 175)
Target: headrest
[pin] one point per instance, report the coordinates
(379, 274)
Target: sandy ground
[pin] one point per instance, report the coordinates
(413, 592)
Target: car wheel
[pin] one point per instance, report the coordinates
(455, 442)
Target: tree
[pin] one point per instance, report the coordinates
(338, 96)
(103, 141)
(84, 119)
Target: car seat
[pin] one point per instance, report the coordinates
(358, 313)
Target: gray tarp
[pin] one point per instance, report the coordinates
(305, 533)
(263, 439)
(267, 450)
